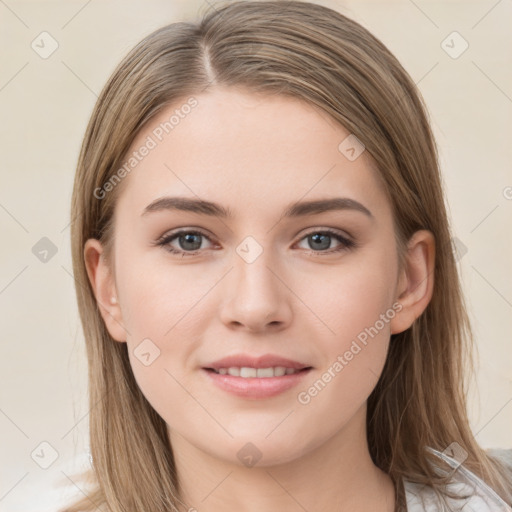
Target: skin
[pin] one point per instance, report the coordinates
(255, 155)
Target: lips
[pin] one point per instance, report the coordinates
(246, 361)
(255, 378)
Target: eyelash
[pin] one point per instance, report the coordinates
(345, 243)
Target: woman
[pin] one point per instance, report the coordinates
(267, 286)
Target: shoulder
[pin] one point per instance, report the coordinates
(473, 494)
(504, 455)
(423, 498)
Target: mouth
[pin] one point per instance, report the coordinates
(249, 386)
(256, 377)
(246, 372)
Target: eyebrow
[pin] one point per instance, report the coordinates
(297, 209)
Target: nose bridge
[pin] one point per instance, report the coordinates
(252, 273)
(255, 295)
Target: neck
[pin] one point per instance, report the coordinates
(338, 475)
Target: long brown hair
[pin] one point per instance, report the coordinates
(314, 54)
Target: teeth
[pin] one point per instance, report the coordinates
(248, 372)
(279, 371)
(264, 372)
(245, 372)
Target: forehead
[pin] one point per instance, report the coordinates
(249, 151)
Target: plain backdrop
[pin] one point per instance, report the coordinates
(45, 103)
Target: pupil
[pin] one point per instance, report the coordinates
(189, 239)
(319, 238)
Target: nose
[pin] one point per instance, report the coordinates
(256, 297)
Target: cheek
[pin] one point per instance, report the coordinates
(355, 304)
(163, 312)
(160, 344)
(353, 358)
(160, 299)
(352, 297)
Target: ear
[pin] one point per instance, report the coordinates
(103, 284)
(416, 281)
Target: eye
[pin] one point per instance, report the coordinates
(188, 242)
(319, 241)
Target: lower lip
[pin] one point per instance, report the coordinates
(254, 387)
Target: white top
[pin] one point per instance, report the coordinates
(479, 497)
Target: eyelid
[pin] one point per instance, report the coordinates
(201, 231)
(325, 229)
(346, 239)
(186, 229)
(173, 234)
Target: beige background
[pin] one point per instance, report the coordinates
(44, 107)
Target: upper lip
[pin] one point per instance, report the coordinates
(247, 361)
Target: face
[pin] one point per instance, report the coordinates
(262, 273)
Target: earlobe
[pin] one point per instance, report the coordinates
(102, 282)
(416, 282)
